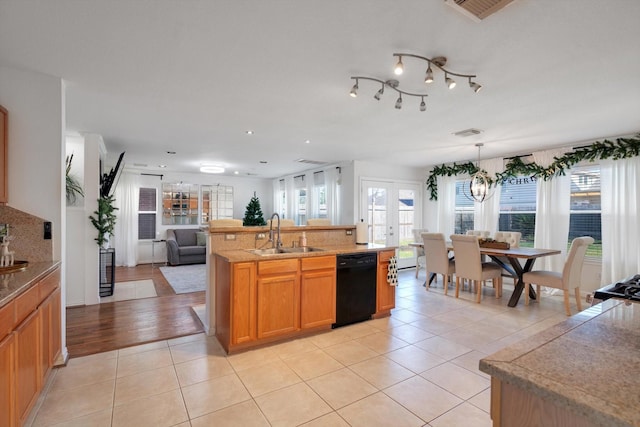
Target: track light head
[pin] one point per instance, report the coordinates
(475, 86)
(429, 77)
(399, 68)
(379, 93)
(354, 90)
(399, 102)
(423, 106)
(450, 82)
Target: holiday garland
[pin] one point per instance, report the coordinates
(622, 148)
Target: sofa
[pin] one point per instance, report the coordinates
(186, 246)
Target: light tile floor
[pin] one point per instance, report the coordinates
(418, 367)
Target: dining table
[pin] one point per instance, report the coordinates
(510, 260)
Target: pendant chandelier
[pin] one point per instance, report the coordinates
(437, 63)
(480, 183)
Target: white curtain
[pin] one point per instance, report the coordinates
(313, 194)
(620, 180)
(278, 188)
(553, 203)
(487, 213)
(126, 228)
(290, 191)
(332, 182)
(446, 205)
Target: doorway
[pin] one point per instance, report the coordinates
(392, 210)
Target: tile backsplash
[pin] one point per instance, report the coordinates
(28, 241)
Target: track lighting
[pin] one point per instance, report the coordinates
(449, 81)
(429, 76)
(437, 62)
(379, 93)
(354, 90)
(399, 68)
(399, 102)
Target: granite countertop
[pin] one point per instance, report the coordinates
(588, 364)
(13, 284)
(245, 255)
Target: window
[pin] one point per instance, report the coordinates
(518, 208)
(464, 208)
(585, 214)
(147, 214)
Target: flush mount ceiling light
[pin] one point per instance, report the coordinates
(437, 62)
(211, 169)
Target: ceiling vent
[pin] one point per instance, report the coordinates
(311, 162)
(468, 132)
(477, 9)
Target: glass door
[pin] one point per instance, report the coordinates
(392, 210)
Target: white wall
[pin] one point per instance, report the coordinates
(36, 106)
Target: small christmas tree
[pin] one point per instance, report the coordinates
(253, 214)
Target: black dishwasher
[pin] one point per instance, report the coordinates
(355, 287)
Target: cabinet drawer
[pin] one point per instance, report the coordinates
(49, 284)
(7, 319)
(27, 303)
(277, 266)
(385, 256)
(317, 263)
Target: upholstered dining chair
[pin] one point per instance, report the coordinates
(318, 221)
(480, 234)
(469, 265)
(283, 223)
(511, 237)
(437, 258)
(569, 278)
(420, 261)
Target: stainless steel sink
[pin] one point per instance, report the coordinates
(274, 251)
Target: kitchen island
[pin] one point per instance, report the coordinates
(261, 299)
(581, 372)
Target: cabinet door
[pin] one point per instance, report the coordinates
(50, 332)
(7, 378)
(27, 353)
(317, 298)
(386, 295)
(278, 304)
(243, 304)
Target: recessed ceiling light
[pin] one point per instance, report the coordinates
(249, 132)
(236, 172)
(211, 169)
(162, 166)
(171, 152)
(307, 141)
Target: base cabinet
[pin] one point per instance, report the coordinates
(30, 344)
(385, 293)
(243, 304)
(317, 291)
(278, 297)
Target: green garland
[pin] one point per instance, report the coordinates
(622, 148)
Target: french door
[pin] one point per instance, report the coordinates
(392, 210)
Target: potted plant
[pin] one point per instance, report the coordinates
(74, 189)
(104, 219)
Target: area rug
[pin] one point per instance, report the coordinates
(186, 278)
(136, 289)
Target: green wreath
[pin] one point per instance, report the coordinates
(622, 148)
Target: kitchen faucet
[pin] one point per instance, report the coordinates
(275, 243)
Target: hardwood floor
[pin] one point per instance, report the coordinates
(110, 326)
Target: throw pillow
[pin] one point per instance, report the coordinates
(201, 238)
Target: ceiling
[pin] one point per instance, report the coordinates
(191, 77)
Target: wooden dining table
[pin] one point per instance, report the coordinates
(510, 260)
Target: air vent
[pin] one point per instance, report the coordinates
(477, 9)
(311, 162)
(468, 132)
(140, 165)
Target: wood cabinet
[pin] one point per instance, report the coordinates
(243, 303)
(4, 142)
(7, 381)
(317, 291)
(30, 343)
(278, 297)
(385, 294)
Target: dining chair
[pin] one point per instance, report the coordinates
(283, 223)
(437, 258)
(569, 278)
(420, 260)
(318, 221)
(480, 234)
(511, 237)
(469, 265)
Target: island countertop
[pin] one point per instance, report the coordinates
(588, 364)
(245, 255)
(14, 284)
